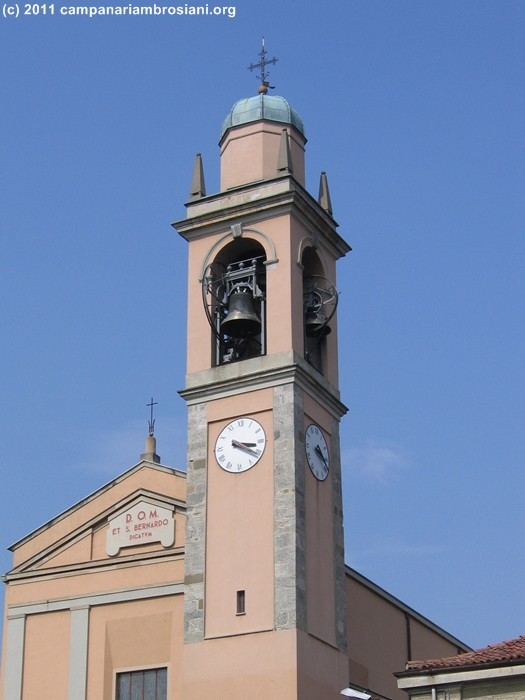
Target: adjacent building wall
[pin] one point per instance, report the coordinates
(495, 690)
(507, 683)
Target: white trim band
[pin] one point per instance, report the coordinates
(122, 596)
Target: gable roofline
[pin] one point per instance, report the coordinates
(367, 583)
(92, 496)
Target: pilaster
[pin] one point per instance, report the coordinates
(289, 508)
(339, 545)
(78, 653)
(14, 657)
(195, 552)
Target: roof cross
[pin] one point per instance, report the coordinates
(262, 65)
(151, 422)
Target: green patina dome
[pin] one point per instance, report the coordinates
(270, 107)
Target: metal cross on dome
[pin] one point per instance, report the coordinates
(262, 65)
(151, 422)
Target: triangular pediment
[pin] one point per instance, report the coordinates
(148, 498)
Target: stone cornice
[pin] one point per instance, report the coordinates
(89, 600)
(256, 202)
(261, 373)
(94, 566)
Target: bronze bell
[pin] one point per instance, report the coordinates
(241, 321)
(315, 325)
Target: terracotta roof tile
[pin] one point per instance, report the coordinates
(513, 650)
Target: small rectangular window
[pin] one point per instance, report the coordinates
(241, 603)
(143, 685)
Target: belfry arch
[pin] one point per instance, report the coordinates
(234, 297)
(319, 305)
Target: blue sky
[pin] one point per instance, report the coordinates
(416, 110)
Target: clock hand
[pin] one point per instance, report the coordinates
(245, 446)
(319, 453)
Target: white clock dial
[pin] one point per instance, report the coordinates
(240, 445)
(317, 452)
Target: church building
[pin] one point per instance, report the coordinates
(225, 578)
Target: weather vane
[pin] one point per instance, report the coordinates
(263, 77)
(151, 422)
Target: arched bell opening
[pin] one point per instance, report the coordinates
(319, 304)
(234, 296)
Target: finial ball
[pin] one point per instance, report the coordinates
(262, 90)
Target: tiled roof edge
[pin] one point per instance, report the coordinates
(502, 654)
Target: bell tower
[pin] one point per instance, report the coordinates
(264, 568)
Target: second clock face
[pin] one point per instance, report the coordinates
(317, 452)
(240, 445)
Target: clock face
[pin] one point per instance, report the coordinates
(317, 452)
(240, 445)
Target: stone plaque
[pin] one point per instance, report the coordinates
(143, 523)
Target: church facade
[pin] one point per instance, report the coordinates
(226, 580)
